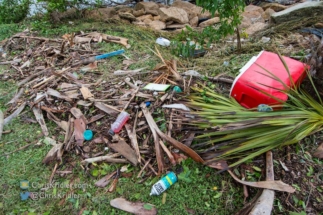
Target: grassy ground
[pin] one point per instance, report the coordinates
(202, 192)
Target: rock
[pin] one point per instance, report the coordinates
(169, 22)
(209, 22)
(100, 14)
(253, 13)
(137, 13)
(125, 10)
(149, 7)
(116, 17)
(156, 17)
(318, 25)
(255, 27)
(157, 25)
(191, 9)
(142, 18)
(194, 21)
(173, 14)
(275, 6)
(175, 26)
(147, 21)
(267, 14)
(303, 10)
(127, 16)
(245, 22)
(139, 23)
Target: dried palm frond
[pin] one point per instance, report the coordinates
(234, 132)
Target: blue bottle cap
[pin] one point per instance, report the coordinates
(88, 135)
(147, 104)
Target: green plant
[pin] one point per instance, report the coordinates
(245, 133)
(229, 12)
(13, 11)
(185, 49)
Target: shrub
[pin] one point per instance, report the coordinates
(13, 11)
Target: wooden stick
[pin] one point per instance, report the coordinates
(15, 114)
(18, 69)
(107, 158)
(169, 154)
(133, 139)
(39, 38)
(32, 76)
(1, 123)
(53, 173)
(151, 167)
(17, 96)
(265, 202)
(51, 77)
(133, 96)
(159, 153)
(21, 148)
(146, 164)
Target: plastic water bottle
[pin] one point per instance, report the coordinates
(119, 123)
(163, 184)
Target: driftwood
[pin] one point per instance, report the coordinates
(103, 182)
(54, 154)
(1, 123)
(17, 96)
(107, 158)
(40, 119)
(133, 207)
(133, 139)
(125, 150)
(265, 202)
(15, 114)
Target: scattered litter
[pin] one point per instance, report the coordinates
(177, 89)
(163, 184)
(162, 41)
(264, 108)
(121, 120)
(192, 73)
(177, 106)
(226, 63)
(88, 135)
(246, 88)
(156, 87)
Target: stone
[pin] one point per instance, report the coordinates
(255, 27)
(157, 25)
(142, 18)
(156, 17)
(318, 25)
(245, 22)
(149, 7)
(175, 26)
(191, 9)
(302, 10)
(173, 14)
(137, 13)
(139, 23)
(100, 14)
(169, 22)
(147, 21)
(127, 16)
(275, 6)
(194, 21)
(125, 10)
(267, 14)
(253, 13)
(209, 22)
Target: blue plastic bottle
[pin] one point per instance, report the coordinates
(163, 184)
